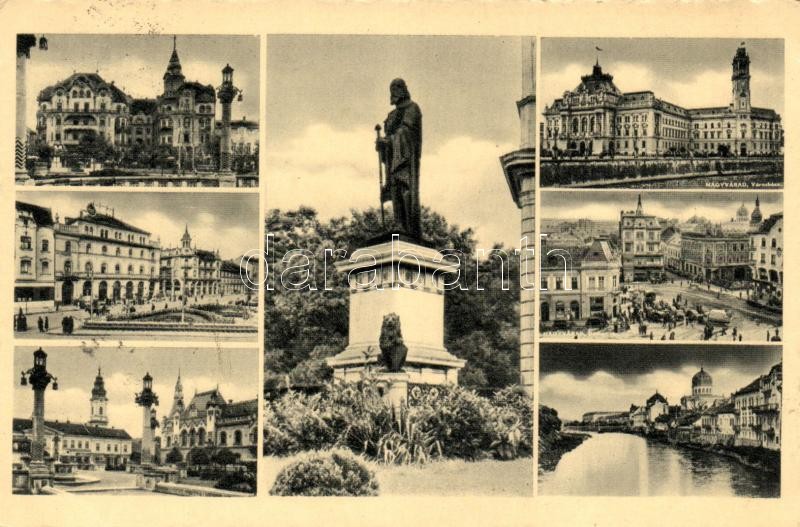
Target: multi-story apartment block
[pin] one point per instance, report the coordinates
(34, 262)
(579, 282)
(766, 248)
(101, 257)
(187, 271)
(640, 240)
(716, 254)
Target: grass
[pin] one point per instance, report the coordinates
(450, 477)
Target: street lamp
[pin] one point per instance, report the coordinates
(39, 378)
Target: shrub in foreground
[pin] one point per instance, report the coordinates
(333, 473)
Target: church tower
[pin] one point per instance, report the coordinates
(177, 399)
(186, 243)
(99, 414)
(756, 217)
(741, 80)
(173, 77)
(639, 209)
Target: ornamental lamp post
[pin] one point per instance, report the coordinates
(39, 378)
(147, 398)
(226, 93)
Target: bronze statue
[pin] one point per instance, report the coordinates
(400, 151)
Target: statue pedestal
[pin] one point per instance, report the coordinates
(148, 476)
(401, 276)
(39, 476)
(227, 178)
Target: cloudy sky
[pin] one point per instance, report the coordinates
(715, 206)
(136, 64)
(225, 221)
(597, 377)
(326, 93)
(201, 369)
(692, 73)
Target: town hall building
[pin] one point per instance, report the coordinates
(596, 118)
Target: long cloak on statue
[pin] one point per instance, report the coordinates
(403, 129)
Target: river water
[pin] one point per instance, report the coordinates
(616, 464)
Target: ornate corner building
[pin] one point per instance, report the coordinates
(176, 128)
(597, 118)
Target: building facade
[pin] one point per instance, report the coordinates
(716, 255)
(640, 240)
(93, 445)
(759, 410)
(187, 271)
(597, 118)
(766, 248)
(210, 420)
(103, 258)
(579, 282)
(34, 258)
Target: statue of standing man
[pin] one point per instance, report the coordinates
(400, 151)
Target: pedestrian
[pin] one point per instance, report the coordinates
(46, 324)
(64, 325)
(651, 335)
(40, 324)
(740, 337)
(767, 335)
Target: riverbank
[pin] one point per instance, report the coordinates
(553, 442)
(550, 453)
(753, 457)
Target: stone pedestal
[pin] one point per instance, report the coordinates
(398, 275)
(394, 388)
(39, 476)
(148, 476)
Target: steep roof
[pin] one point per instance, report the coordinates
(231, 267)
(206, 255)
(106, 221)
(201, 399)
(145, 106)
(656, 397)
(41, 215)
(770, 222)
(76, 429)
(93, 80)
(240, 409)
(202, 92)
(750, 388)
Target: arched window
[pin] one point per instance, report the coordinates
(45, 246)
(237, 437)
(130, 269)
(104, 249)
(116, 268)
(68, 266)
(223, 439)
(88, 267)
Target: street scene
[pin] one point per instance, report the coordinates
(662, 266)
(137, 110)
(662, 113)
(138, 265)
(102, 431)
(642, 420)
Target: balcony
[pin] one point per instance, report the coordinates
(766, 408)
